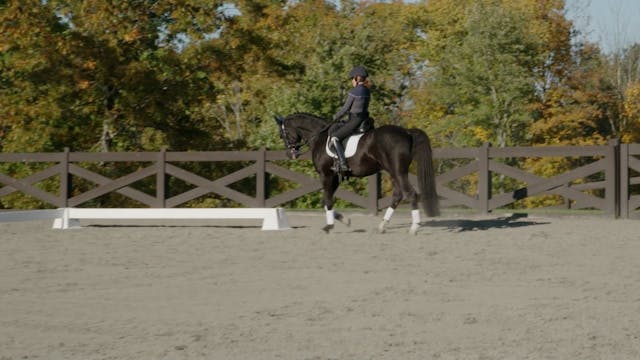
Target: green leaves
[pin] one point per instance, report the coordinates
(103, 75)
(486, 74)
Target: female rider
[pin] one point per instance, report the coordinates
(357, 106)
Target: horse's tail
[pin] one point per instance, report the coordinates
(423, 155)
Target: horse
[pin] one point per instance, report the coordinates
(389, 147)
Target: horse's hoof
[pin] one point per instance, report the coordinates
(327, 228)
(414, 229)
(381, 227)
(342, 219)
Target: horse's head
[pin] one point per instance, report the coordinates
(289, 134)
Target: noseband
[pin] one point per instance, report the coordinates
(294, 149)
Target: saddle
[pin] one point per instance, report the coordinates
(350, 143)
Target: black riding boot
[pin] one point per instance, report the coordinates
(342, 161)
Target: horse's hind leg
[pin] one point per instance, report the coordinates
(415, 214)
(397, 197)
(402, 189)
(410, 193)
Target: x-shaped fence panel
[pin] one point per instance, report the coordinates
(162, 167)
(26, 186)
(483, 162)
(629, 170)
(613, 163)
(555, 185)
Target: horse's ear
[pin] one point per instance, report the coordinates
(279, 119)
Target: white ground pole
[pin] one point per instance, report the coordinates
(67, 218)
(29, 215)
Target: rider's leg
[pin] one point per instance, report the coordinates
(342, 160)
(341, 133)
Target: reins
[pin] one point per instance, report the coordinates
(304, 142)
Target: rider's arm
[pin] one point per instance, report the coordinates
(345, 108)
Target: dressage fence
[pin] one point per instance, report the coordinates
(603, 179)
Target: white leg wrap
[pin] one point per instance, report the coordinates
(388, 214)
(330, 216)
(415, 216)
(415, 222)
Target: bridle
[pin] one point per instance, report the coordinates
(293, 148)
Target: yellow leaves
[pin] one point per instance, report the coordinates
(153, 139)
(631, 111)
(83, 84)
(89, 65)
(235, 42)
(272, 18)
(132, 35)
(632, 101)
(482, 134)
(4, 45)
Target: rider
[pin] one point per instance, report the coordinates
(357, 105)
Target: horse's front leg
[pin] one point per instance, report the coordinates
(330, 185)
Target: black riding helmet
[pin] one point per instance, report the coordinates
(358, 71)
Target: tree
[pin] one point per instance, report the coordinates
(578, 110)
(624, 74)
(481, 69)
(36, 86)
(632, 113)
(104, 76)
(103, 73)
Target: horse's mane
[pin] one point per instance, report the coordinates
(308, 116)
(311, 119)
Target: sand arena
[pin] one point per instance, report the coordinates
(471, 287)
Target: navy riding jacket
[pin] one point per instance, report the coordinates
(357, 102)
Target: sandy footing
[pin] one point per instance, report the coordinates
(471, 287)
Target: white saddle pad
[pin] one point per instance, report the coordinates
(349, 150)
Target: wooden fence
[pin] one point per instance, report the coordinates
(604, 180)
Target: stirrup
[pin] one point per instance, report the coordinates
(342, 172)
(340, 167)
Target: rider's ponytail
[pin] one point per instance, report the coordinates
(363, 80)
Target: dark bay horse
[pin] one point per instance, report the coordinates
(390, 148)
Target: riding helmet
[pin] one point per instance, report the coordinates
(358, 71)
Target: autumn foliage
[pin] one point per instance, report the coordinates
(98, 75)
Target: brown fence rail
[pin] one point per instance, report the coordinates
(604, 181)
(629, 179)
